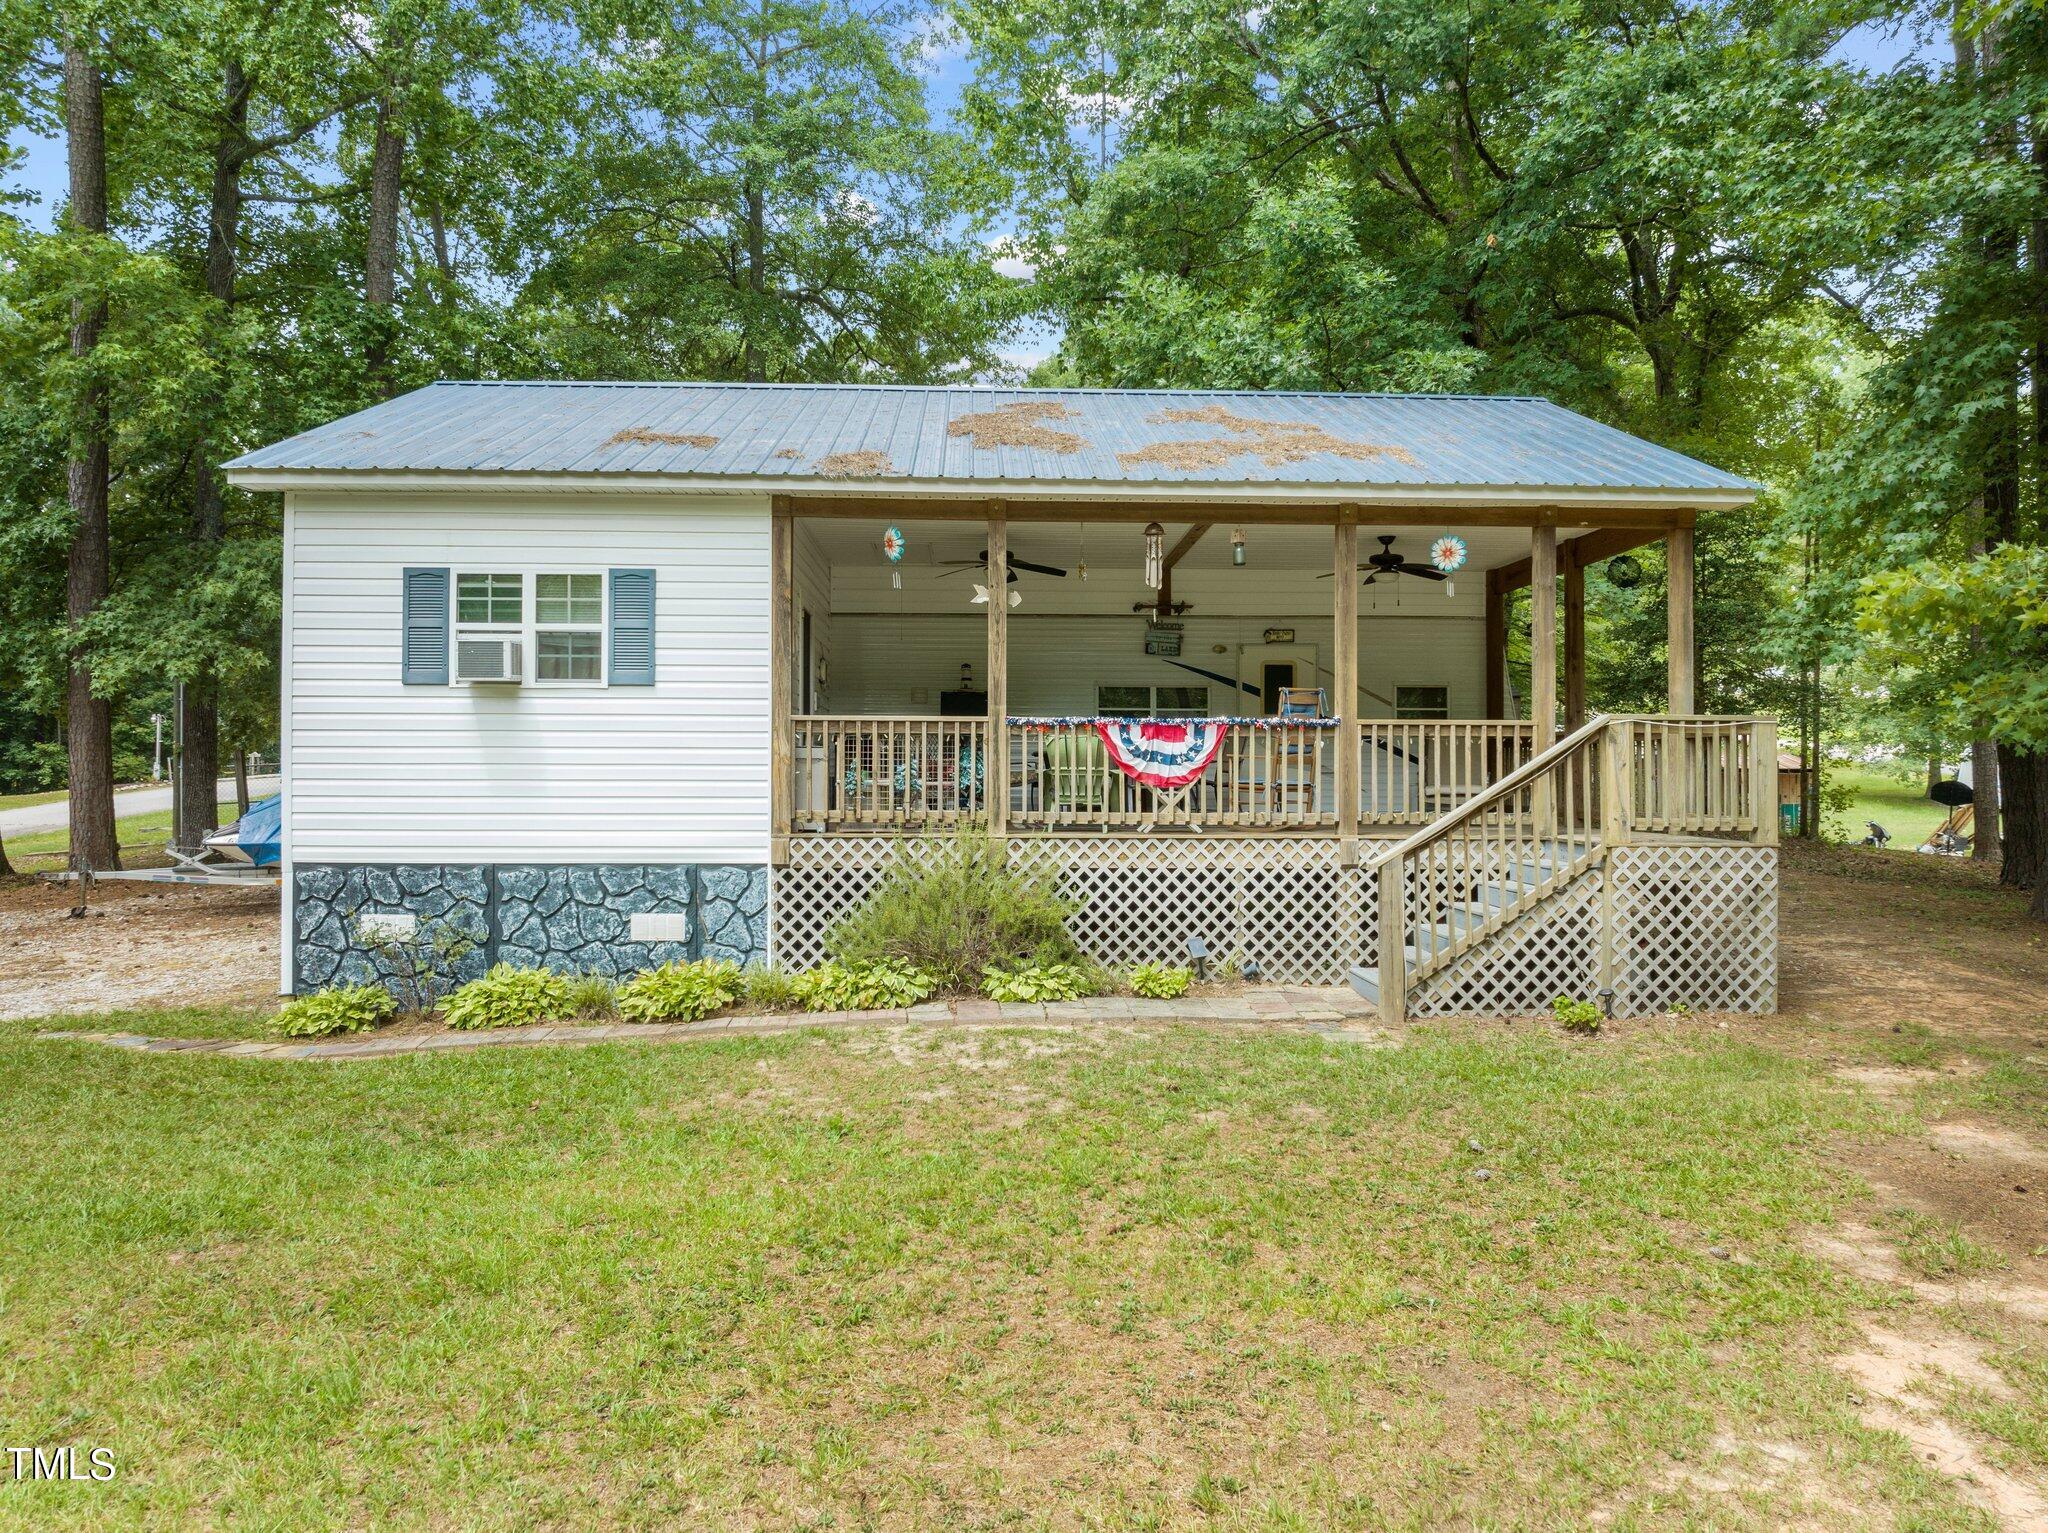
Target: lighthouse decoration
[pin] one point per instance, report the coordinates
(1448, 554)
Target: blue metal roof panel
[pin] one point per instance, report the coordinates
(795, 432)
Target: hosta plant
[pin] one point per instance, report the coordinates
(508, 996)
(1162, 982)
(1036, 982)
(680, 992)
(344, 1009)
(881, 984)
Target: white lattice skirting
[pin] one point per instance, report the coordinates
(1283, 901)
(1692, 925)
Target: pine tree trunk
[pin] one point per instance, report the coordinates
(200, 805)
(2021, 779)
(380, 255)
(1933, 774)
(241, 783)
(1984, 771)
(6, 868)
(89, 720)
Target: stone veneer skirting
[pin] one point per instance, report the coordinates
(571, 918)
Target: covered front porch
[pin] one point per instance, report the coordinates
(1351, 702)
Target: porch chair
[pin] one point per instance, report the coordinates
(1077, 772)
(1294, 792)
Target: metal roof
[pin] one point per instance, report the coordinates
(796, 435)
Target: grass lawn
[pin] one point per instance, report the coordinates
(44, 849)
(943, 1279)
(1898, 803)
(30, 800)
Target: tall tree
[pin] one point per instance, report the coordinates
(89, 717)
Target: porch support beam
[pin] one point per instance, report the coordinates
(1543, 635)
(996, 775)
(1496, 646)
(1679, 634)
(1652, 519)
(1345, 667)
(781, 683)
(1589, 548)
(1574, 636)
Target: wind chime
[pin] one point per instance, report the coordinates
(1449, 553)
(1081, 569)
(892, 550)
(1155, 555)
(1237, 547)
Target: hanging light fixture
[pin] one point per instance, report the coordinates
(1081, 568)
(1155, 555)
(1237, 547)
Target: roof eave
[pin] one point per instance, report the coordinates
(1449, 496)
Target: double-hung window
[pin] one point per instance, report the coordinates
(568, 628)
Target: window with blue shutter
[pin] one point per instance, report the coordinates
(632, 635)
(424, 640)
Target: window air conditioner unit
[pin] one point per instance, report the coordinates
(491, 659)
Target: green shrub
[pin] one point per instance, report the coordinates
(952, 907)
(879, 985)
(344, 1009)
(593, 998)
(1162, 982)
(1036, 982)
(768, 987)
(680, 992)
(508, 997)
(1575, 1016)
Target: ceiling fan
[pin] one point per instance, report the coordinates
(1387, 562)
(1014, 564)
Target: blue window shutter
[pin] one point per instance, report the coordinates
(425, 641)
(632, 637)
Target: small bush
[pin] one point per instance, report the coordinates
(1162, 982)
(1575, 1016)
(419, 968)
(952, 908)
(768, 987)
(680, 992)
(508, 997)
(592, 998)
(1036, 982)
(880, 985)
(344, 1009)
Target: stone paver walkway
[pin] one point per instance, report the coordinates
(1333, 1013)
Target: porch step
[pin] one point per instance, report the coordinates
(1366, 981)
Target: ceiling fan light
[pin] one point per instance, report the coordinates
(1237, 547)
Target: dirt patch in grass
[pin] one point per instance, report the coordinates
(1276, 443)
(1019, 425)
(854, 465)
(139, 945)
(645, 436)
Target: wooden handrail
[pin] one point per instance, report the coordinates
(1516, 780)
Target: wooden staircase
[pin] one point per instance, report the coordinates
(1510, 851)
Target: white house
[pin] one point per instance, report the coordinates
(609, 673)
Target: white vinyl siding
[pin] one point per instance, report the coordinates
(382, 772)
(880, 662)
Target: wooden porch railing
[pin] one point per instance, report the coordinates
(1412, 770)
(1277, 775)
(1482, 864)
(889, 773)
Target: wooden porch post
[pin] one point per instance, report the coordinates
(1543, 634)
(1344, 665)
(781, 682)
(996, 778)
(1496, 646)
(1574, 637)
(1679, 637)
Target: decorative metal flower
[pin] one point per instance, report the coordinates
(893, 544)
(1449, 553)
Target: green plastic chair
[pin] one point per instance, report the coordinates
(1077, 769)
